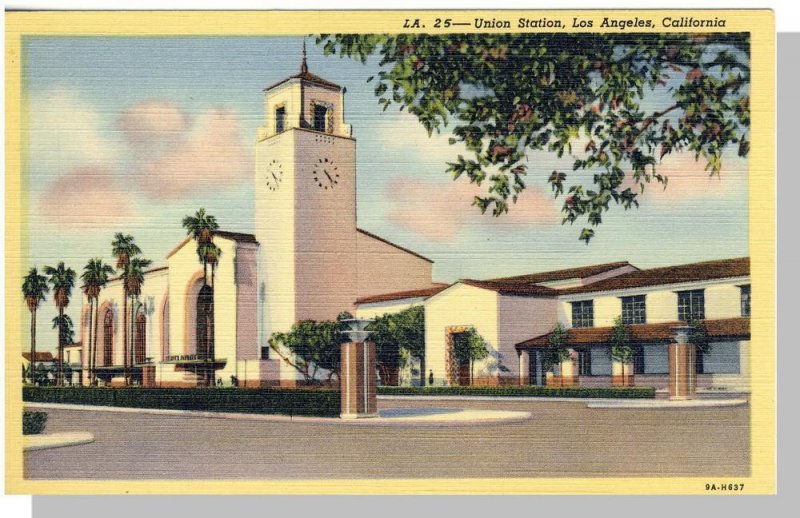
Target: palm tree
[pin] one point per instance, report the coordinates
(201, 227)
(34, 288)
(95, 277)
(66, 336)
(134, 280)
(123, 248)
(62, 280)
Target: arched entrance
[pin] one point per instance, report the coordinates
(139, 339)
(108, 339)
(205, 323)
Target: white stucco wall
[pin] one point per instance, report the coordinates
(275, 232)
(519, 319)
(383, 268)
(377, 309)
(458, 305)
(722, 300)
(154, 291)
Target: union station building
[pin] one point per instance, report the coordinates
(308, 259)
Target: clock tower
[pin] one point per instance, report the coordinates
(305, 204)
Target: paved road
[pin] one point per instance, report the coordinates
(562, 439)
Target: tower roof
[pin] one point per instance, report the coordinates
(305, 75)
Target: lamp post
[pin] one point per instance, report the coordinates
(358, 379)
(681, 356)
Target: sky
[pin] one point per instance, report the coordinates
(131, 134)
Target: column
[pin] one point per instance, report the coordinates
(358, 380)
(524, 368)
(681, 357)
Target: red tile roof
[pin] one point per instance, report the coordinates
(43, 356)
(400, 295)
(236, 236)
(560, 275)
(738, 327)
(511, 288)
(720, 269)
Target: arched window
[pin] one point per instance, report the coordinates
(108, 338)
(139, 340)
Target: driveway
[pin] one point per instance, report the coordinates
(563, 439)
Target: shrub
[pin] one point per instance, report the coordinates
(33, 422)
(523, 391)
(303, 402)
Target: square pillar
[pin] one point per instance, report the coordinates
(617, 379)
(524, 368)
(358, 380)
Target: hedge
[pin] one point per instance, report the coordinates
(33, 422)
(522, 391)
(302, 402)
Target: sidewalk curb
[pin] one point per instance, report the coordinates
(670, 405)
(456, 417)
(46, 441)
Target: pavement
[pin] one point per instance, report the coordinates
(563, 439)
(45, 441)
(385, 417)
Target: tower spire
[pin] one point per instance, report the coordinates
(304, 65)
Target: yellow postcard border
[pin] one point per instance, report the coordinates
(761, 25)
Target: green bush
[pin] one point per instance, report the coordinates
(302, 402)
(522, 391)
(33, 422)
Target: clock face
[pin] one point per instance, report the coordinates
(273, 174)
(325, 173)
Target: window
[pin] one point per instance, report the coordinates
(585, 362)
(265, 352)
(745, 300)
(722, 358)
(280, 119)
(583, 313)
(691, 305)
(634, 310)
(320, 117)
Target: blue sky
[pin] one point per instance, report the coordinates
(87, 176)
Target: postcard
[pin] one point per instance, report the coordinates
(391, 252)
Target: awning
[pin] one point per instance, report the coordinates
(719, 329)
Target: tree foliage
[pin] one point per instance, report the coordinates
(394, 333)
(556, 351)
(587, 96)
(311, 345)
(470, 346)
(698, 336)
(621, 349)
(66, 329)
(201, 228)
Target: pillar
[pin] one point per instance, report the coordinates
(524, 368)
(149, 376)
(681, 357)
(617, 379)
(358, 380)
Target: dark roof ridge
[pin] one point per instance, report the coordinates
(578, 272)
(665, 275)
(404, 294)
(384, 240)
